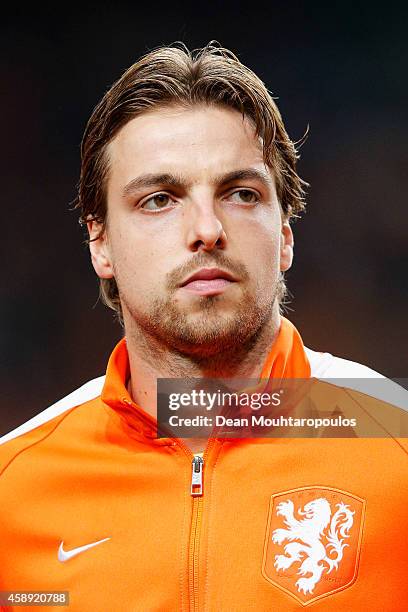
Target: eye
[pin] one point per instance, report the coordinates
(244, 196)
(156, 202)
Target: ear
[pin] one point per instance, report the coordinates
(286, 247)
(99, 248)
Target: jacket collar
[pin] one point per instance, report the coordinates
(286, 359)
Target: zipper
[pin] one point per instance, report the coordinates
(197, 476)
(193, 562)
(197, 495)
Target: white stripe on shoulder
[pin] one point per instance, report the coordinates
(325, 365)
(87, 392)
(356, 376)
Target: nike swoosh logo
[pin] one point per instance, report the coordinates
(65, 555)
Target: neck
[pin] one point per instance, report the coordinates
(150, 359)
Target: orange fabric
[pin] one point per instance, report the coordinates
(96, 472)
(287, 358)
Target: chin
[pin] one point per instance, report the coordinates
(210, 338)
(213, 329)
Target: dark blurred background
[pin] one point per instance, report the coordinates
(341, 68)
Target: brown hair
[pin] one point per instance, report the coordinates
(174, 75)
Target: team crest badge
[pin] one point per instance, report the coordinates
(313, 541)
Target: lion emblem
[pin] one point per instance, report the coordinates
(319, 539)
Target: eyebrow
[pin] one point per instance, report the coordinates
(173, 180)
(152, 180)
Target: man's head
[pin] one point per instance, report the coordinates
(186, 166)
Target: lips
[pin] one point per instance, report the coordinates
(208, 274)
(208, 281)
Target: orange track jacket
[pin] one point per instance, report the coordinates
(92, 503)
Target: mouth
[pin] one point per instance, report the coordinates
(208, 281)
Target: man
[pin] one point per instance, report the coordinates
(188, 185)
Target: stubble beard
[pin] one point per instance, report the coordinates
(214, 334)
(208, 332)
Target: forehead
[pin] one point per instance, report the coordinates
(196, 142)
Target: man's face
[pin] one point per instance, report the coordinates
(188, 194)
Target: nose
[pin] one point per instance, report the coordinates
(205, 230)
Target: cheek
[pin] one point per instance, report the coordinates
(139, 262)
(259, 250)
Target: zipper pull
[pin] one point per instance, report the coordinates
(197, 476)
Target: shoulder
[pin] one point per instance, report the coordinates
(326, 365)
(43, 424)
(355, 376)
(377, 394)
